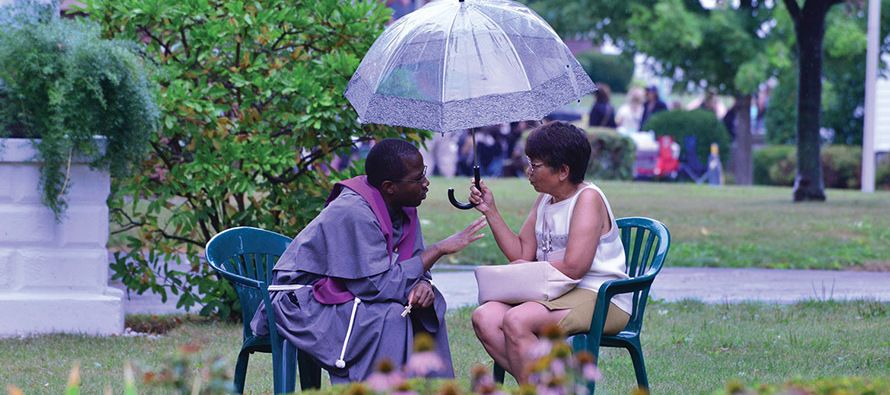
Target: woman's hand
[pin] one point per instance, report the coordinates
(483, 199)
(422, 294)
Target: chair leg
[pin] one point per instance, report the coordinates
(288, 370)
(310, 372)
(241, 371)
(498, 373)
(636, 354)
(580, 343)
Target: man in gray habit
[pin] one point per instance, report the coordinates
(354, 286)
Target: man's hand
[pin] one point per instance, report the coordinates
(453, 243)
(422, 294)
(459, 240)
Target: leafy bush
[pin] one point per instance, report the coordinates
(841, 166)
(253, 114)
(612, 156)
(765, 158)
(882, 175)
(615, 70)
(702, 124)
(65, 85)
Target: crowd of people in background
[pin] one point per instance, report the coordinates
(641, 104)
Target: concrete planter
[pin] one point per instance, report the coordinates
(54, 276)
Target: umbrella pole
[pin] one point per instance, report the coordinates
(454, 202)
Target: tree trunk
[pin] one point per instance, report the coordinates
(743, 162)
(809, 26)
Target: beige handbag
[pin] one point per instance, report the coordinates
(521, 282)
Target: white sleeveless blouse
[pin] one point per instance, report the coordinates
(552, 234)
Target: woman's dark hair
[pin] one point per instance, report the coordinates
(560, 143)
(386, 160)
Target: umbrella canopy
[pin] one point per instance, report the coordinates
(457, 64)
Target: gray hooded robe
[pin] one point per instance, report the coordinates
(346, 242)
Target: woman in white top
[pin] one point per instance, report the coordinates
(572, 227)
(629, 114)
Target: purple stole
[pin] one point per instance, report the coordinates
(330, 290)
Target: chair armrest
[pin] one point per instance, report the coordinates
(614, 287)
(238, 279)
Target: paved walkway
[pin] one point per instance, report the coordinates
(710, 285)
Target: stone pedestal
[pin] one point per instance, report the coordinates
(54, 276)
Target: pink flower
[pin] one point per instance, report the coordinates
(423, 363)
(591, 372)
(383, 382)
(540, 349)
(558, 367)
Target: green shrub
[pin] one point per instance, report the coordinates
(765, 158)
(841, 166)
(65, 85)
(882, 175)
(704, 125)
(615, 70)
(612, 156)
(253, 114)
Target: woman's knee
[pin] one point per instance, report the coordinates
(486, 319)
(517, 322)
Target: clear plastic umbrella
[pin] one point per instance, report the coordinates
(455, 64)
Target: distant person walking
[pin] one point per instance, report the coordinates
(653, 104)
(602, 113)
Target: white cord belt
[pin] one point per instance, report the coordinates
(340, 362)
(286, 287)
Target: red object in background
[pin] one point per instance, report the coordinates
(667, 163)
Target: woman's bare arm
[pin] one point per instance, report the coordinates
(590, 221)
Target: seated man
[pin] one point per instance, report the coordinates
(361, 265)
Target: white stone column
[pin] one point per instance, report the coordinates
(54, 276)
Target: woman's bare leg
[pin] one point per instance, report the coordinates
(521, 326)
(488, 322)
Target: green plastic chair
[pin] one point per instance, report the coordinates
(646, 243)
(245, 257)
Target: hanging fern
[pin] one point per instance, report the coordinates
(82, 96)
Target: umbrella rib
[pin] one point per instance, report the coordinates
(512, 49)
(402, 38)
(445, 58)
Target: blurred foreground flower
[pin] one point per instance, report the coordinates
(386, 377)
(424, 361)
(560, 371)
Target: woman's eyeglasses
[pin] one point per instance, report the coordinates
(418, 180)
(532, 166)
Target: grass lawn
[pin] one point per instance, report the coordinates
(727, 226)
(690, 348)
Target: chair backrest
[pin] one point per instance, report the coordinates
(646, 243)
(245, 256)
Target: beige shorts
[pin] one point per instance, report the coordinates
(581, 302)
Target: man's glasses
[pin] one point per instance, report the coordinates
(418, 180)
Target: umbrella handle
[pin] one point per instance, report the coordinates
(464, 206)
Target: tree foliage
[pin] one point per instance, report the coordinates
(843, 95)
(737, 45)
(64, 85)
(253, 114)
